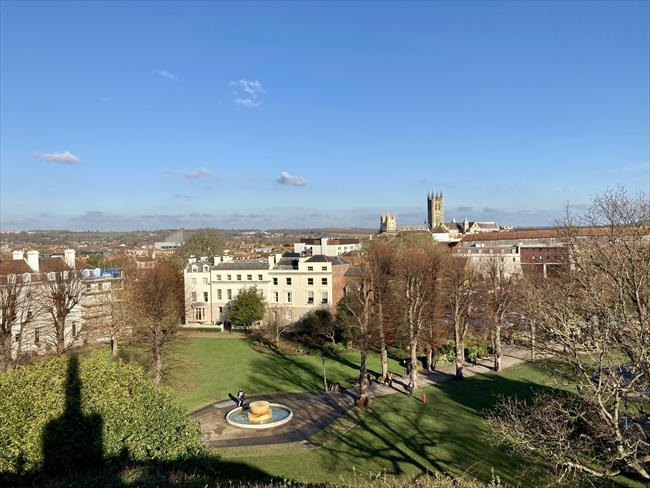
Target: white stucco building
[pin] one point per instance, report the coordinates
(326, 246)
(296, 284)
(29, 273)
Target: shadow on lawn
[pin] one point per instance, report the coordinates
(73, 455)
(398, 434)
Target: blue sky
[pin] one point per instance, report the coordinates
(118, 116)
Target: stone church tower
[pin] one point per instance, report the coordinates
(435, 209)
(387, 223)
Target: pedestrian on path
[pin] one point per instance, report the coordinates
(410, 387)
(424, 398)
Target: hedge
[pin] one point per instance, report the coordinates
(74, 411)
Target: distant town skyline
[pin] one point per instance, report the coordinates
(153, 115)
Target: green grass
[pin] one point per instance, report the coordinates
(399, 436)
(203, 370)
(396, 436)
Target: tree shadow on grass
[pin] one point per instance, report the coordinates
(73, 455)
(401, 436)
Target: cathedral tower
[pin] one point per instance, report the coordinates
(435, 209)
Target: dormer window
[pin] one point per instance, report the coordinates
(195, 268)
(206, 268)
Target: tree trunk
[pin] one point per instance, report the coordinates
(114, 348)
(430, 358)
(459, 343)
(59, 325)
(382, 340)
(498, 351)
(6, 353)
(157, 365)
(363, 374)
(532, 340)
(414, 363)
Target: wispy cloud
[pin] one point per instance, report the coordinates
(247, 93)
(198, 174)
(65, 157)
(166, 74)
(286, 179)
(181, 196)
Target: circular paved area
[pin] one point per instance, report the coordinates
(311, 413)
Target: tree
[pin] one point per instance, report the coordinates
(381, 258)
(458, 281)
(354, 310)
(418, 269)
(208, 242)
(596, 320)
(278, 322)
(110, 315)
(18, 308)
(97, 261)
(246, 308)
(60, 295)
(320, 326)
(499, 297)
(156, 302)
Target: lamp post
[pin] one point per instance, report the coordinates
(322, 355)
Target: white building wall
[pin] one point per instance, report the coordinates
(223, 286)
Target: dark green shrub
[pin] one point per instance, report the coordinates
(88, 410)
(447, 352)
(478, 350)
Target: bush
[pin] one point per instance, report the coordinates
(88, 410)
(448, 353)
(477, 350)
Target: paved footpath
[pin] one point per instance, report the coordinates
(315, 411)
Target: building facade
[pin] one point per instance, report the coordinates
(291, 282)
(33, 330)
(327, 247)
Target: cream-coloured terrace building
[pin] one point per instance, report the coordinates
(31, 272)
(289, 282)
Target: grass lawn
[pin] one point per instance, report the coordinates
(204, 369)
(396, 436)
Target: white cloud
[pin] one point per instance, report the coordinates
(286, 179)
(65, 157)
(247, 102)
(198, 174)
(167, 74)
(247, 93)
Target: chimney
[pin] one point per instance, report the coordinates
(69, 257)
(17, 255)
(32, 260)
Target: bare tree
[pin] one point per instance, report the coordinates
(418, 267)
(156, 303)
(529, 304)
(277, 322)
(18, 308)
(499, 297)
(381, 258)
(108, 315)
(60, 295)
(597, 320)
(355, 308)
(458, 282)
